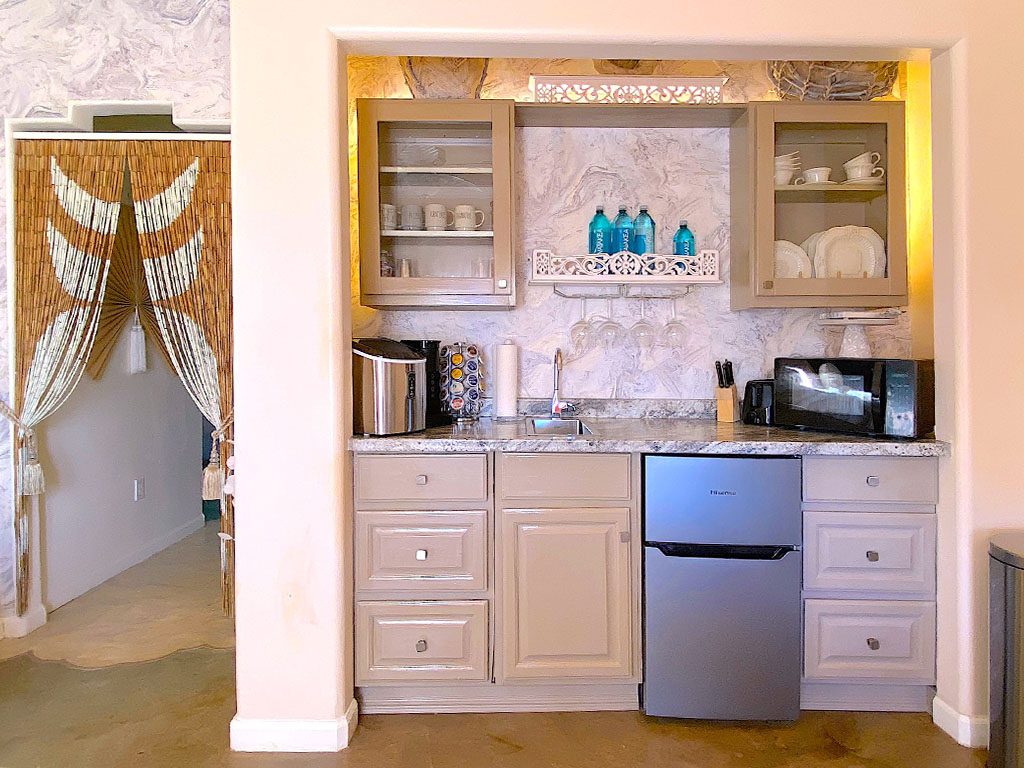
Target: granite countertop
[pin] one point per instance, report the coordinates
(631, 435)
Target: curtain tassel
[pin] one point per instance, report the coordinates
(137, 347)
(31, 480)
(213, 475)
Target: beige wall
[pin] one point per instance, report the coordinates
(111, 431)
(289, 201)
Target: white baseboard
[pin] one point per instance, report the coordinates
(591, 697)
(865, 697)
(19, 626)
(108, 570)
(967, 730)
(269, 735)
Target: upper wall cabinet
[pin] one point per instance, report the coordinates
(436, 203)
(817, 242)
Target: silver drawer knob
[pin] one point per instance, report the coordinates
(421, 646)
(872, 556)
(873, 644)
(421, 554)
(874, 481)
(421, 479)
(503, 283)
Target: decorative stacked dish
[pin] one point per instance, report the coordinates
(839, 252)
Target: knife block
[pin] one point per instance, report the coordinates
(728, 404)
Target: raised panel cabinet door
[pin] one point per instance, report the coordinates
(566, 593)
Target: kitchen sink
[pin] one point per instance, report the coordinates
(536, 427)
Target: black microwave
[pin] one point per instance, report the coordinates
(875, 397)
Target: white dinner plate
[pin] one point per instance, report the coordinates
(791, 261)
(810, 245)
(849, 252)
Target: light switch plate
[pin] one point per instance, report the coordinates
(139, 489)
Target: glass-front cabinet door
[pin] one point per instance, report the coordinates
(827, 206)
(435, 203)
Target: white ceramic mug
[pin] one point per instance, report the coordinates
(784, 178)
(388, 216)
(467, 217)
(437, 217)
(412, 217)
(814, 176)
(862, 172)
(870, 158)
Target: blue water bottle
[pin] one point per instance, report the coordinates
(600, 233)
(683, 244)
(622, 231)
(643, 232)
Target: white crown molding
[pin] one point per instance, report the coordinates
(273, 735)
(967, 730)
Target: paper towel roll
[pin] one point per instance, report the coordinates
(506, 380)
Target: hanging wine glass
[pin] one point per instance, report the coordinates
(582, 333)
(674, 333)
(610, 333)
(642, 333)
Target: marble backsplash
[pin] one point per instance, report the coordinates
(563, 173)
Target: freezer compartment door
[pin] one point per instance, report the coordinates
(722, 637)
(722, 500)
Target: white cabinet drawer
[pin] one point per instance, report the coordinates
(571, 476)
(421, 478)
(433, 551)
(869, 639)
(870, 478)
(878, 552)
(421, 641)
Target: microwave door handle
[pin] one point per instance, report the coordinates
(878, 404)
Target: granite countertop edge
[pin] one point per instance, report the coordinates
(648, 436)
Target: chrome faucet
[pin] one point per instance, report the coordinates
(559, 406)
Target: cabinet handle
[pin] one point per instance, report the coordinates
(624, 537)
(421, 479)
(873, 644)
(421, 554)
(872, 556)
(874, 481)
(768, 284)
(503, 283)
(421, 646)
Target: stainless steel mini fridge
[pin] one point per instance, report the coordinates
(722, 576)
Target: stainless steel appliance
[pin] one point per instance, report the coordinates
(430, 349)
(722, 587)
(757, 402)
(1006, 650)
(863, 396)
(389, 388)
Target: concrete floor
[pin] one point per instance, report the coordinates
(140, 672)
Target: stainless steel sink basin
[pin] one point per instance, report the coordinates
(537, 427)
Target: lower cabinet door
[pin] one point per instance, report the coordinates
(565, 593)
(421, 640)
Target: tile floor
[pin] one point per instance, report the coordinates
(139, 672)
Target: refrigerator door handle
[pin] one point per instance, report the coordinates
(722, 551)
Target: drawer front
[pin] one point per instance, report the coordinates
(565, 476)
(870, 478)
(419, 551)
(421, 641)
(428, 478)
(869, 639)
(882, 552)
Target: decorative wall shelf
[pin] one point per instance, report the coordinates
(624, 269)
(626, 89)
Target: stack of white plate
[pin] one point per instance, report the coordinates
(846, 252)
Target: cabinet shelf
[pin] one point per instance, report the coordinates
(432, 169)
(477, 233)
(829, 192)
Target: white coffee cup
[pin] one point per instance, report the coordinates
(784, 178)
(388, 216)
(467, 217)
(412, 217)
(862, 172)
(814, 176)
(871, 158)
(437, 217)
